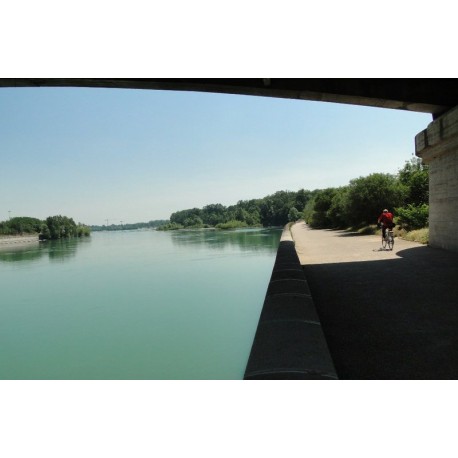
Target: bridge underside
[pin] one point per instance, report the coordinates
(423, 95)
(437, 145)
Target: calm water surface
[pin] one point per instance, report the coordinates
(134, 305)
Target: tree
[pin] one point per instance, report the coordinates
(45, 233)
(180, 216)
(274, 209)
(321, 204)
(415, 176)
(248, 211)
(24, 224)
(337, 213)
(214, 214)
(302, 197)
(193, 221)
(293, 214)
(367, 196)
(61, 227)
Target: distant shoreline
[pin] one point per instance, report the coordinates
(17, 240)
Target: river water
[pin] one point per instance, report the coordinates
(178, 305)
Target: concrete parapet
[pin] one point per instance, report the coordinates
(439, 138)
(289, 342)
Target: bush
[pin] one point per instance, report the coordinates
(412, 217)
(420, 235)
(233, 224)
(170, 227)
(82, 230)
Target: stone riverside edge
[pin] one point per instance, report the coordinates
(7, 242)
(289, 342)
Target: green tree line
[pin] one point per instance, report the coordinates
(357, 204)
(52, 228)
(272, 210)
(127, 227)
(406, 194)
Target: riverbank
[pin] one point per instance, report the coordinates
(17, 241)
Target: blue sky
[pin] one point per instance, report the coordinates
(133, 155)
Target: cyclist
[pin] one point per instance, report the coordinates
(386, 221)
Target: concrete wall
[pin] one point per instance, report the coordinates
(438, 147)
(289, 342)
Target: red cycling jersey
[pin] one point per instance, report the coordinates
(386, 219)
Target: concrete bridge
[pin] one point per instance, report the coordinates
(437, 145)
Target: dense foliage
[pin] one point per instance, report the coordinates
(273, 210)
(54, 227)
(413, 216)
(20, 225)
(357, 204)
(362, 200)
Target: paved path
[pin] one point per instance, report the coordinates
(385, 314)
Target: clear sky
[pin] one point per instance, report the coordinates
(138, 155)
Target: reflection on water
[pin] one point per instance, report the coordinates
(63, 250)
(134, 305)
(54, 250)
(265, 240)
(21, 253)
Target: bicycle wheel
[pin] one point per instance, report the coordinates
(384, 242)
(390, 241)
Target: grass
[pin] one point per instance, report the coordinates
(233, 224)
(418, 235)
(368, 230)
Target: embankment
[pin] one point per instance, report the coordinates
(17, 241)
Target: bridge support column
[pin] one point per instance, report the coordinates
(437, 145)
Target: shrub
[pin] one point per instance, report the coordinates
(82, 230)
(170, 227)
(412, 216)
(233, 224)
(419, 235)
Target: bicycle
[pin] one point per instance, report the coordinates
(388, 240)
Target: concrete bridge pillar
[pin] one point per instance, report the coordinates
(437, 145)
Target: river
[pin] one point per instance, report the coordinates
(180, 305)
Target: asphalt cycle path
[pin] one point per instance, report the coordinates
(385, 314)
